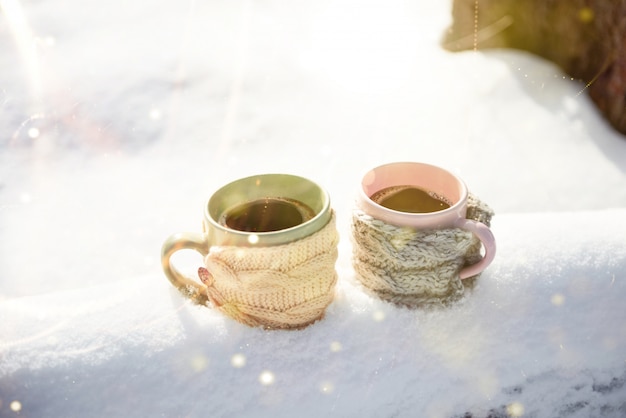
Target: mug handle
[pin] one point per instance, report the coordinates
(485, 235)
(184, 241)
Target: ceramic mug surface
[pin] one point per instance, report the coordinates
(437, 181)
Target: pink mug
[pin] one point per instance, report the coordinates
(441, 183)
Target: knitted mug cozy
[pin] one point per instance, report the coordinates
(283, 286)
(413, 267)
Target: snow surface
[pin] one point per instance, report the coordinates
(119, 119)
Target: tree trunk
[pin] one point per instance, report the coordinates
(586, 38)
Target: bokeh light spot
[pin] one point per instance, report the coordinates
(586, 14)
(515, 409)
(155, 114)
(199, 362)
(16, 406)
(238, 360)
(378, 316)
(26, 197)
(253, 238)
(335, 346)
(327, 387)
(609, 343)
(557, 299)
(33, 133)
(267, 378)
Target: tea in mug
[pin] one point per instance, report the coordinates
(266, 215)
(409, 199)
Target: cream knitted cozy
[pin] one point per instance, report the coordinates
(415, 267)
(283, 286)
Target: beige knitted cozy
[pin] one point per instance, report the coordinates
(415, 267)
(283, 286)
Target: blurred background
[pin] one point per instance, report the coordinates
(118, 120)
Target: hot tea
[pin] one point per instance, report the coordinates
(266, 215)
(409, 199)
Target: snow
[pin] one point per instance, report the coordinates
(119, 120)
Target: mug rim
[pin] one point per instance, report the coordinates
(266, 238)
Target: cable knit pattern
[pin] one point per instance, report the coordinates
(415, 267)
(283, 286)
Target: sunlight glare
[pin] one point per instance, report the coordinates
(25, 40)
(363, 45)
(49, 41)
